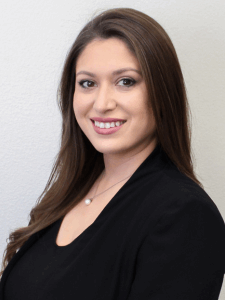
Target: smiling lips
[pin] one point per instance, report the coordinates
(105, 127)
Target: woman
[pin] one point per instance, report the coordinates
(123, 215)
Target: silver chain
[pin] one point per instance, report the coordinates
(109, 187)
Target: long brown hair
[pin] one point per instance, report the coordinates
(78, 164)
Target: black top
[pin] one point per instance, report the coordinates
(161, 237)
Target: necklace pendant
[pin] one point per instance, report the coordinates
(87, 201)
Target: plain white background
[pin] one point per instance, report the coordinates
(35, 37)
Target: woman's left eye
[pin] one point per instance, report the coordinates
(128, 79)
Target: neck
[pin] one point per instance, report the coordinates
(119, 166)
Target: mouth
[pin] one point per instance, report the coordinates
(108, 130)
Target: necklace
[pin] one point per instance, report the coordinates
(89, 200)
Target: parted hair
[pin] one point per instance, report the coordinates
(78, 164)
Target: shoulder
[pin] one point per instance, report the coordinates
(177, 196)
(186, 220)
(186, 192)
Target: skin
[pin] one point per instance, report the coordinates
(107, 95)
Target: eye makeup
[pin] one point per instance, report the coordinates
(133, 82)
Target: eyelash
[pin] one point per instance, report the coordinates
(132, 80)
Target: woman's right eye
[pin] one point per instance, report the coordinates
(82, 81)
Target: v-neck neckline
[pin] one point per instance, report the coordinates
(108, 206)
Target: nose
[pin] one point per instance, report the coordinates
(104, 100)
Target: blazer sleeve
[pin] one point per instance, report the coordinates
(182, 258)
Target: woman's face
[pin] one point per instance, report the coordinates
(106, 94)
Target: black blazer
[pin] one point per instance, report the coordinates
(160, 237)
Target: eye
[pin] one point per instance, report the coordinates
(128, 80)
(82, 81)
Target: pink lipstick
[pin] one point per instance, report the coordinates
(106, 130)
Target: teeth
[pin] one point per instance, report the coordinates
(108, 125)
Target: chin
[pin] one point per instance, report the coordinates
(108, 149)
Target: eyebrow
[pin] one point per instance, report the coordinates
(116, 72)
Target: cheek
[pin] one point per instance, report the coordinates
(78, 113)
(138, 105)
(144, 114)
(78, 108)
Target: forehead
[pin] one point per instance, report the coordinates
(106, 53)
